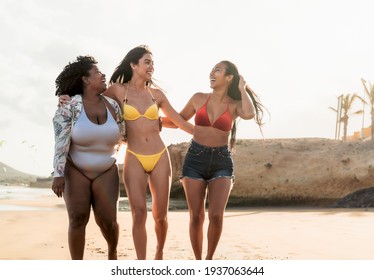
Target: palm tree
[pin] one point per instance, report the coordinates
(348, 100)
(346, 107)
(370, 94)
(338, 112)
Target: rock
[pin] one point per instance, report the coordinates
(363, 198)
(295, 171)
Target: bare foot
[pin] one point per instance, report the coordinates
(113, 256)
(159, 255)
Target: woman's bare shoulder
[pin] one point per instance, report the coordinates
(200, 96)
(158, 94)
(118, 86)
(115, 90)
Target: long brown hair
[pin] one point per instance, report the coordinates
(123, 72)
(234, 93)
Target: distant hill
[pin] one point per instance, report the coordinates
(9, 175)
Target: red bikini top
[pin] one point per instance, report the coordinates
(224, 122)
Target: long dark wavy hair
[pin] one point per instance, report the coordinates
(69, 81)
(123, 72)
(234, 93)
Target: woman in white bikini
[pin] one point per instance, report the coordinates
(85, 173)
(147, 161)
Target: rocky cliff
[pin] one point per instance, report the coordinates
(276, 172)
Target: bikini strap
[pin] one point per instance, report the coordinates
(150, 92)
(103, 99)
(206, 102)
(127, 90)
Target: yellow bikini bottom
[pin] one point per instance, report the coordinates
(148, 161)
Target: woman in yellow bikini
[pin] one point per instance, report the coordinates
(130, 113)
(147, 159)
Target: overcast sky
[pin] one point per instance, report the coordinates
(299, 56)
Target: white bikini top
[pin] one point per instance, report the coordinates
(95, 138)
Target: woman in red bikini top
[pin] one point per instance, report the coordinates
(208, 165)
(223, 122)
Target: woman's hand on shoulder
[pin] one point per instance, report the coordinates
(63, 100)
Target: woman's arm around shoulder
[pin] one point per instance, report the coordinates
(188, 111)
(193, 105)
(116, 91)
(170, 112)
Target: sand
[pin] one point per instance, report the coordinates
(248, 234)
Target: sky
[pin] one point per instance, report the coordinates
(297, 55)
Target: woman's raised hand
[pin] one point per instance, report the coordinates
(242, 83)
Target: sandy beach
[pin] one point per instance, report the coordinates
(37, 230)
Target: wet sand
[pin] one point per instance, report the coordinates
(37, 230)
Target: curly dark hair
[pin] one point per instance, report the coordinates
(69, 81)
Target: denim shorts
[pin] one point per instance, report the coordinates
(207, 163)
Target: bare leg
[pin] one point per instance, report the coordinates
(77, 196)
(218, 194)
(195, 191)
(136, 188)
(160, 180)
(105, 193)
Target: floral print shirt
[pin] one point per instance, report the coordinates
(63, 121)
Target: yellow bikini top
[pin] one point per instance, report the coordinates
(130, 113)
